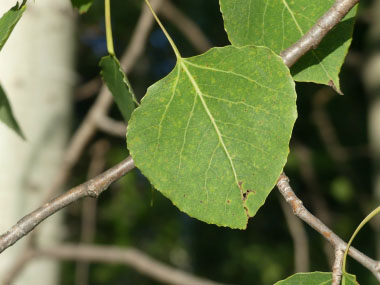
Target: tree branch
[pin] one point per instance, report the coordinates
(300, 211)
(337, 267)
(115, 255)
(131, 257)
(315, 35)
(92, 188)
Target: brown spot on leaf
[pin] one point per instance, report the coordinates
(245, 195)
(246, 211)
(332, 85)
(228, 201)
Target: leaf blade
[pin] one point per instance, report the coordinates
(118, 84)
(6, 114)
(278, 24)
(195, 127)
(8, 21)
(315, 278)
(82, 5)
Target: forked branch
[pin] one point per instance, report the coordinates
(301, 212)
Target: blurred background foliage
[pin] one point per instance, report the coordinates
(329, 167)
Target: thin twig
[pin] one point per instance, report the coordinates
(337, 267)
(111, 126)
(132, 257)
(88, 89)
(301, 212)
(128, 256)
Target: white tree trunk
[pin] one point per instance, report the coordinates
(36, 71)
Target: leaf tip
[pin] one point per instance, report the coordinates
(336, 89)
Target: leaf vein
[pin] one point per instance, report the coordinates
(248, 143)
(233, 73)
(166, 111)
(185, 134)
(293, 17)
(245, 127)
(208, 169)
(240, 103)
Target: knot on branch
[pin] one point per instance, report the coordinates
(91, 189)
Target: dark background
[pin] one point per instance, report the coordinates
(329, 166)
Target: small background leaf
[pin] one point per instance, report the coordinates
(82, 5)
(278, 24)
(118, 84)
(315, 278)
(6, 114)
(8, 21)
(213, 135)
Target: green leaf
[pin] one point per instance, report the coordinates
(278, 24)
(82, 5)
(213, 135)
(118, 84)
(8, 21)
(315, 278)
(6, 114)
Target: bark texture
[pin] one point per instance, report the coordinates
(36, 71)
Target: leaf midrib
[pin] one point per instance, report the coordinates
(208, 112)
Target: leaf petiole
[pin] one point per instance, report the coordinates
(366, 220)
(174, 47)
(107, 11)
